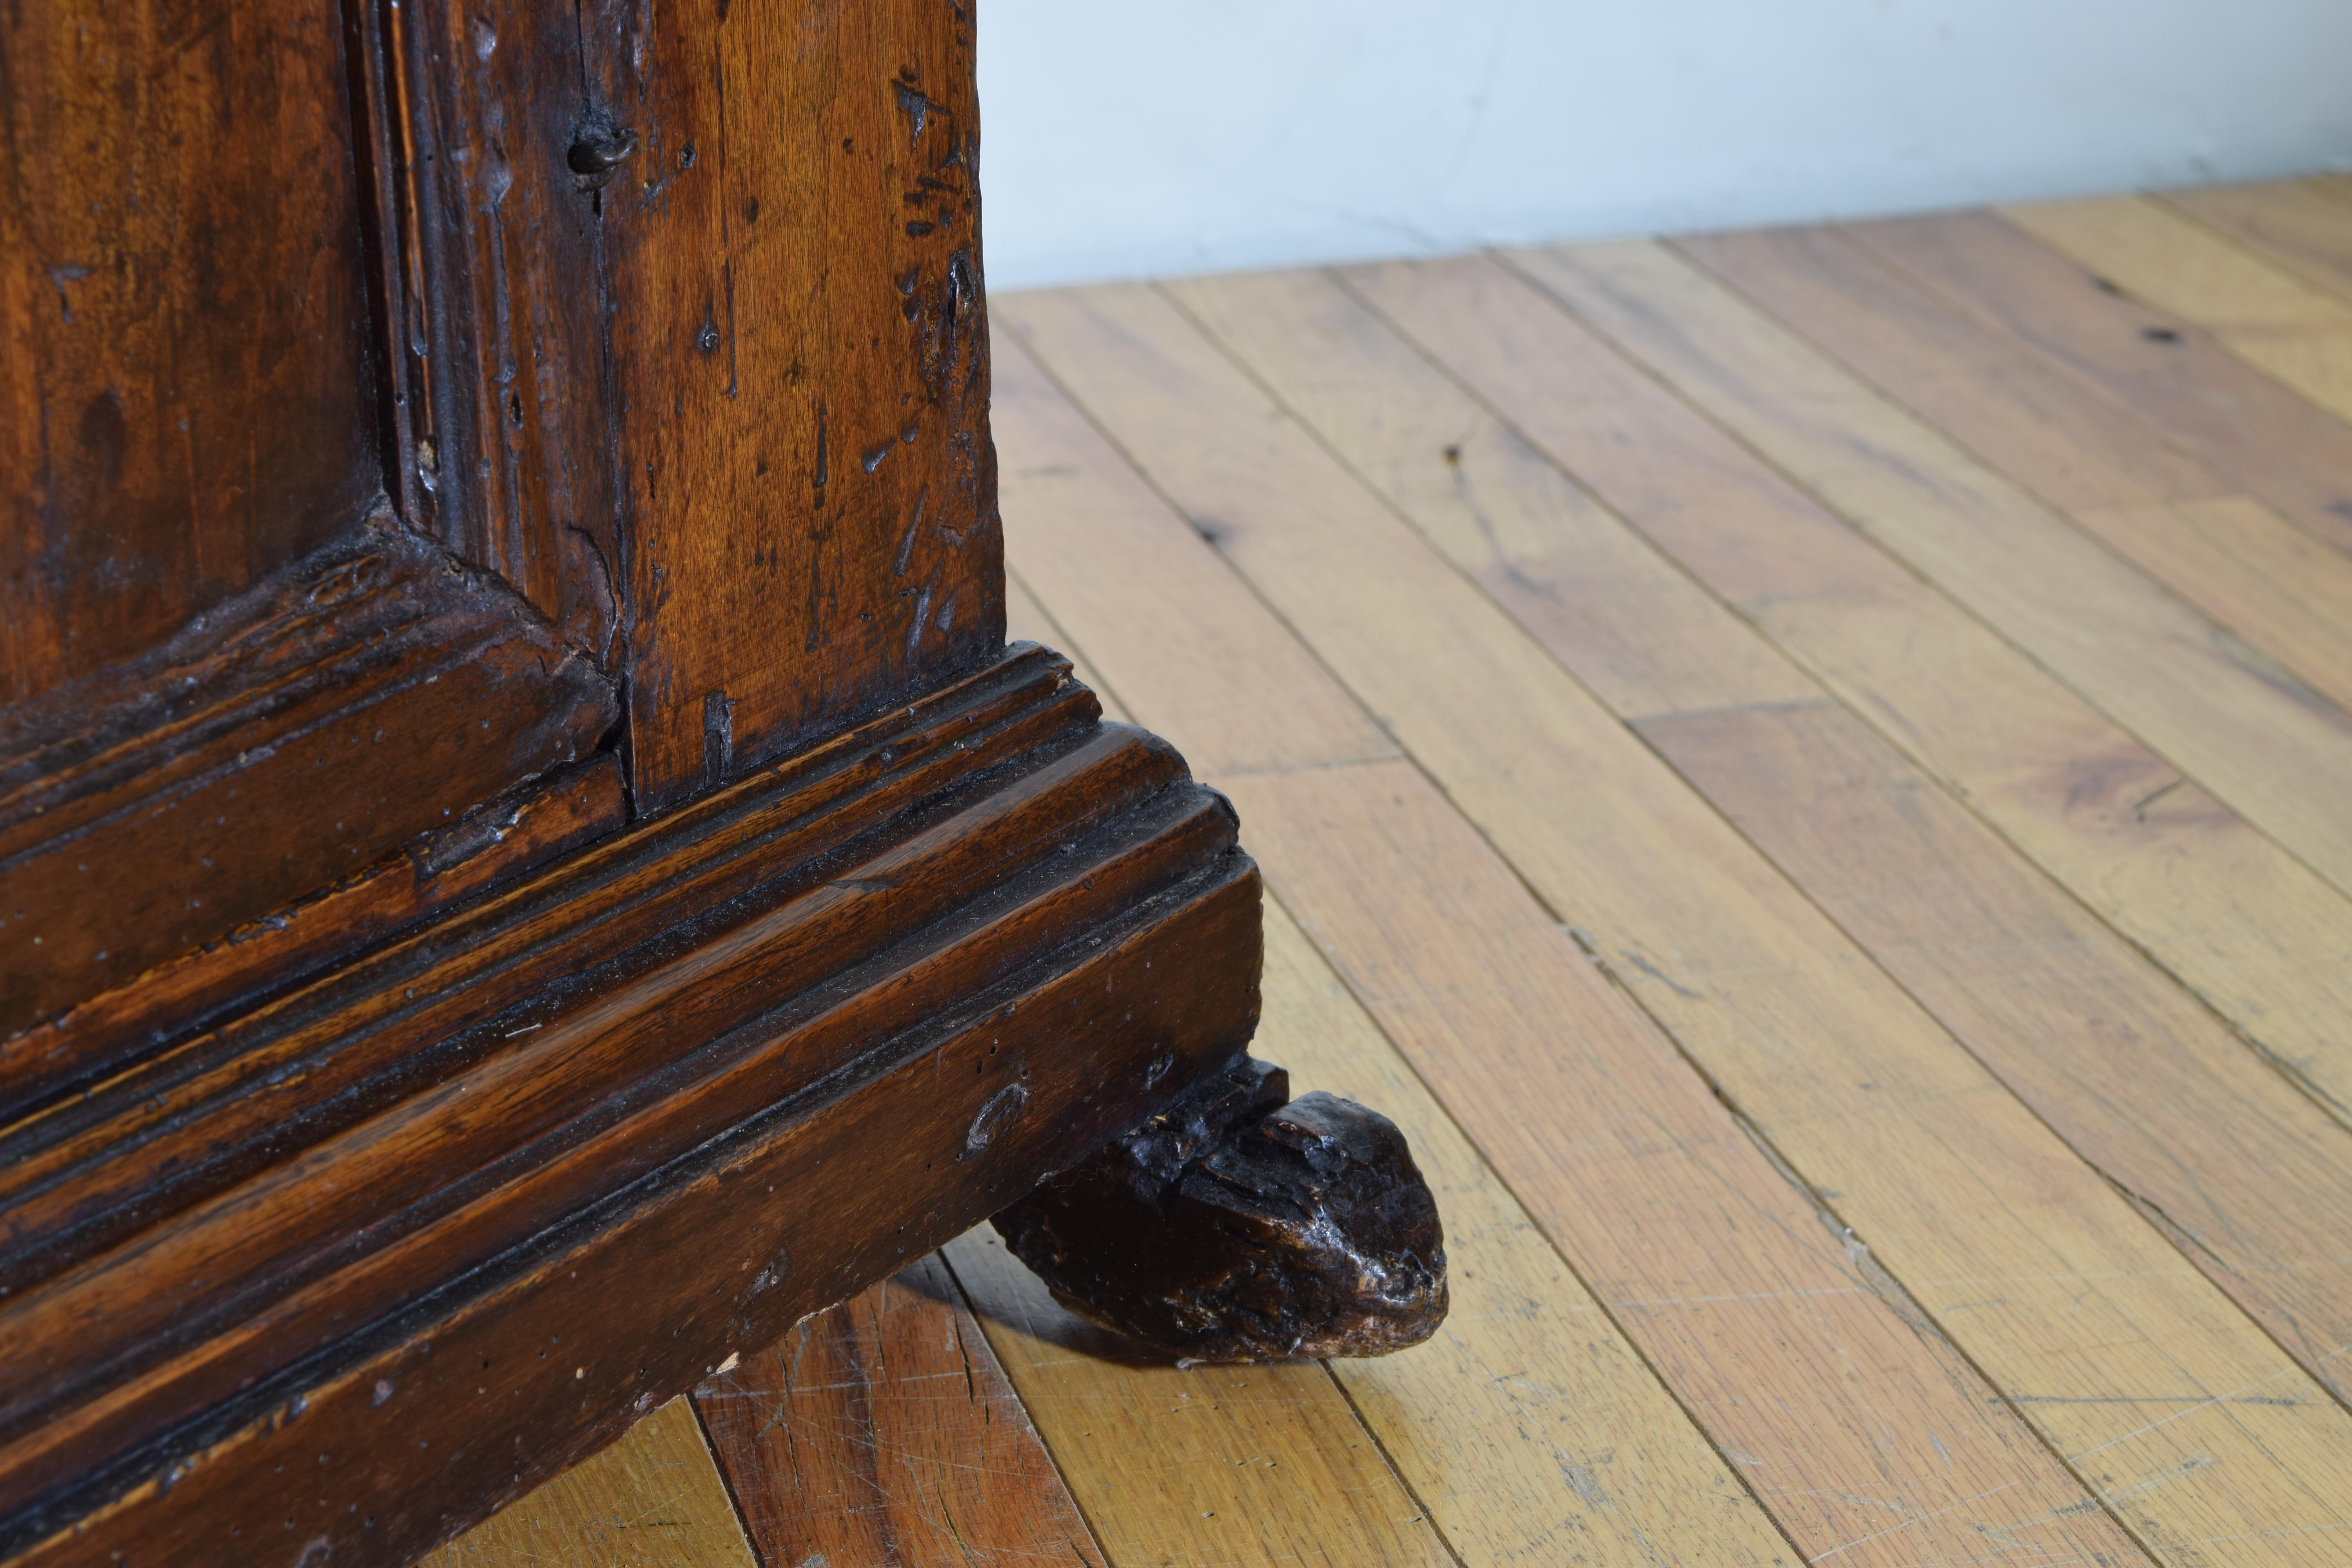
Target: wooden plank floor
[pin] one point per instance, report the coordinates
(1811, 773)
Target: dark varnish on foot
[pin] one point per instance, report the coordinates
(1242, 1225)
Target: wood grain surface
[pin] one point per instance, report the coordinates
(432, 872)
(2251, 1179)
(883, 1431)
(1660, 1199)
(2257, 576)
(2263, 313)
(1072, 499)
(1950, 1181)
(2179, 266)
(500, 257)
(1530, 1425)
(2317, 365)
(2254, 574)
(2124, 1064)
(2263, 746)
(951, 927)
(719, 408)
(801, 352)
(371, 691)
(1771, 1320)
(653, 1500)
(2259, 937)
(186, 398)
(2266, 439)
(2304, 226)
(2043, 428)
(1645, 638)
(1242, 1465)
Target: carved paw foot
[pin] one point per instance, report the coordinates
(1243, 1225)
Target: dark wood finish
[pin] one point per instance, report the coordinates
(526, 865)
(803, 357)
(288, 739)
(897, 977)
(884, 1431)
(729, 385)
(504, 321)
(432, 872)
(1242, 1225)
(186, 396)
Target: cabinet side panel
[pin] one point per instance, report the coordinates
(185, 403)
(504, 317)
(801, 351)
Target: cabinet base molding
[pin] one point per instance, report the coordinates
(335, 1279)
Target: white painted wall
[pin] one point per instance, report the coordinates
(1123, 138)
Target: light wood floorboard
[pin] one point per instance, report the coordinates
(2303, 226)
(1214, 1465)
(2271, 751)
(2256, 933)
(1716, 1264)
(1948, 1179)
(2124, 1064)
(2266, 315)
(884, 1430)
(655, 1499)
(2265, 439)
(2255, 575)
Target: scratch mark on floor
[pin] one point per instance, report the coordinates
(1916, 1520)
